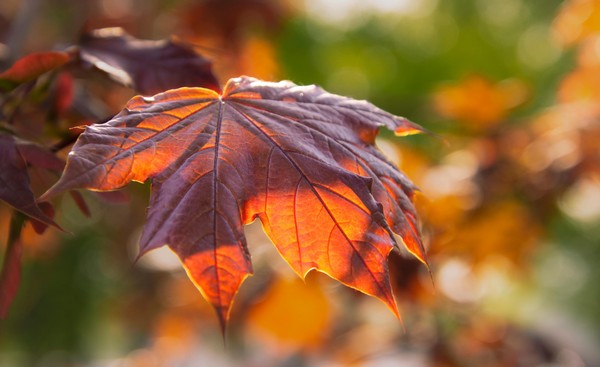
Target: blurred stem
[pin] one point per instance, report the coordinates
(11, 269)
(17, 221)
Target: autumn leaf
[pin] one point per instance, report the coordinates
(14, 179)
(30, 67)
(147, 66)
(300, 159)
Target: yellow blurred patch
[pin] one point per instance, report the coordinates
(258, 59)
(577, 20)
(477, 102)
(583, 83)
(292, 314)
(413, 163)
(504, 228)
(441, 213)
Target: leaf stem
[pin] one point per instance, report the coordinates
(17, 221)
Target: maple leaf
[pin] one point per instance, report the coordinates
(300, 159)
(15, 189)
(147, 66)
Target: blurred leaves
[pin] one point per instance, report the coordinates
(477, 103)
(506, 228)
(149, 67)
(577, 20)
(292, 314)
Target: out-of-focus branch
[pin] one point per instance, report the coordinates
(10, 276)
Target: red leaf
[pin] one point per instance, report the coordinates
(147, 66)
(300, 159)
(14, 179)
(31, 67)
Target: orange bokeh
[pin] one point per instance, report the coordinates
(478, 103)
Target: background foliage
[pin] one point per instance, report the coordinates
(510, 205)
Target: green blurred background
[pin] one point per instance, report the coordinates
(510, 207)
